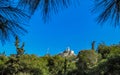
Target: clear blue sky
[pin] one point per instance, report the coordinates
(73, 27)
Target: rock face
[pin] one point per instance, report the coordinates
(67, 53)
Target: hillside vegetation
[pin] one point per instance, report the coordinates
(105, 60)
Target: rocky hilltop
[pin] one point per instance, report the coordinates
(67, 53)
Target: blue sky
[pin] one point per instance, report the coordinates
(74, 27)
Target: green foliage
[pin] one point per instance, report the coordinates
(103, 50)
(106, 51)
(110, 63)
(109, 66)
(88, 62)
(88, 57)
